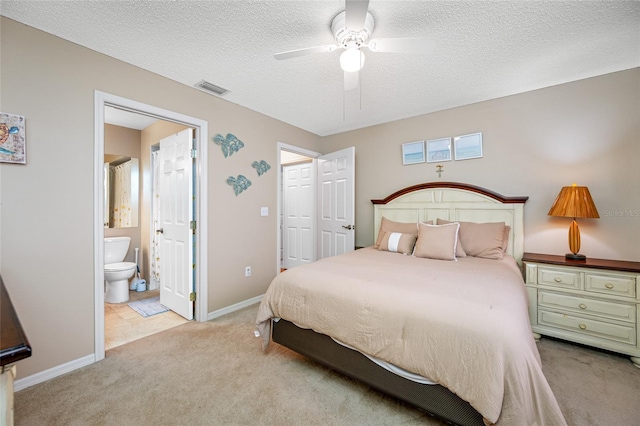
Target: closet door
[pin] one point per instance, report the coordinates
(298, 221)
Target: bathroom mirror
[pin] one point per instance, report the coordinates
(121, 191)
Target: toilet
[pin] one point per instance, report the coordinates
(117, 272)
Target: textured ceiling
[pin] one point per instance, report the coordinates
(484, 50)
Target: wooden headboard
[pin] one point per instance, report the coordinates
(454, 201)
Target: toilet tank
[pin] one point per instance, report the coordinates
(115, 249)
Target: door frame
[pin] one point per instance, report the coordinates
(297, 150)
(102, 99)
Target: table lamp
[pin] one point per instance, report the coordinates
(574, 201)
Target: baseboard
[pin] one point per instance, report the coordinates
(233, 308)
(54, 372)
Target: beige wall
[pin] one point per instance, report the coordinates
(47, 205)
(124, 142)
(586, 132)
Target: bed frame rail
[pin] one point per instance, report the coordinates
(436, 400)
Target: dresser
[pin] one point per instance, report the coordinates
(14, 346)
(594, 302)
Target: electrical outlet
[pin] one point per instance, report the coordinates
(247, 271)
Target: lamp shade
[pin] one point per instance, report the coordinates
(574, 201)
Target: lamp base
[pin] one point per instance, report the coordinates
(573, 256)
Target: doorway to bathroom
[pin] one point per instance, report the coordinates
(133, 211)
(161, 124)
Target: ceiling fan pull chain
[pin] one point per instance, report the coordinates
(360, 91)
(344, 106)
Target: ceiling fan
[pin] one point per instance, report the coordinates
(351, 29)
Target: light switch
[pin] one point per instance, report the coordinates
(264, 211)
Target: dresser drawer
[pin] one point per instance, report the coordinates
(592, 327)
(615, 284)
(607, 309)
(557, 277)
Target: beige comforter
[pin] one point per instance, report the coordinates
(461, 324)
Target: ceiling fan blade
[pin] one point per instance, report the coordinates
(356, 14)
(351, 80)
(421, 46)
(305, 51)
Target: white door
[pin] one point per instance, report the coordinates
(298, 218)
(176, 242)
(336, 214)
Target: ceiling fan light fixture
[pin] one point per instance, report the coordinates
(352, 59)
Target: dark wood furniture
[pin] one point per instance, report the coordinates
(14, 344)
(616, 265)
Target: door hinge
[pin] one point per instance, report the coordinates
(194, 148)
(192, 226)
(192, 297)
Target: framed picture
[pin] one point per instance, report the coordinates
(12, 139)
(468, 146)
(439, 150)
(413, 152)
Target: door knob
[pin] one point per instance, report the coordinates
(349, 227)
(160, 231)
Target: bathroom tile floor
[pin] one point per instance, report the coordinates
(124, 325)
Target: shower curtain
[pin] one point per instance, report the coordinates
(155, 243)
(122, 195)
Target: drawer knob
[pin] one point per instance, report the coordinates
(558, 279)
(582, 306)
(583, 326)
(609, 285)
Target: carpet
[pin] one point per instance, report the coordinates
(215, 373)
(148, 307)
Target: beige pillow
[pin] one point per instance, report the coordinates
(387, 225)
(437, 241)
(505, 239)
(459, 249)
(397, 242)
(485, 240)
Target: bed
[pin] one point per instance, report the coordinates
(444, 330)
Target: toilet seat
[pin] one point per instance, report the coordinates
(119, 266)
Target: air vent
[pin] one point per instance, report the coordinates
(210, 87)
